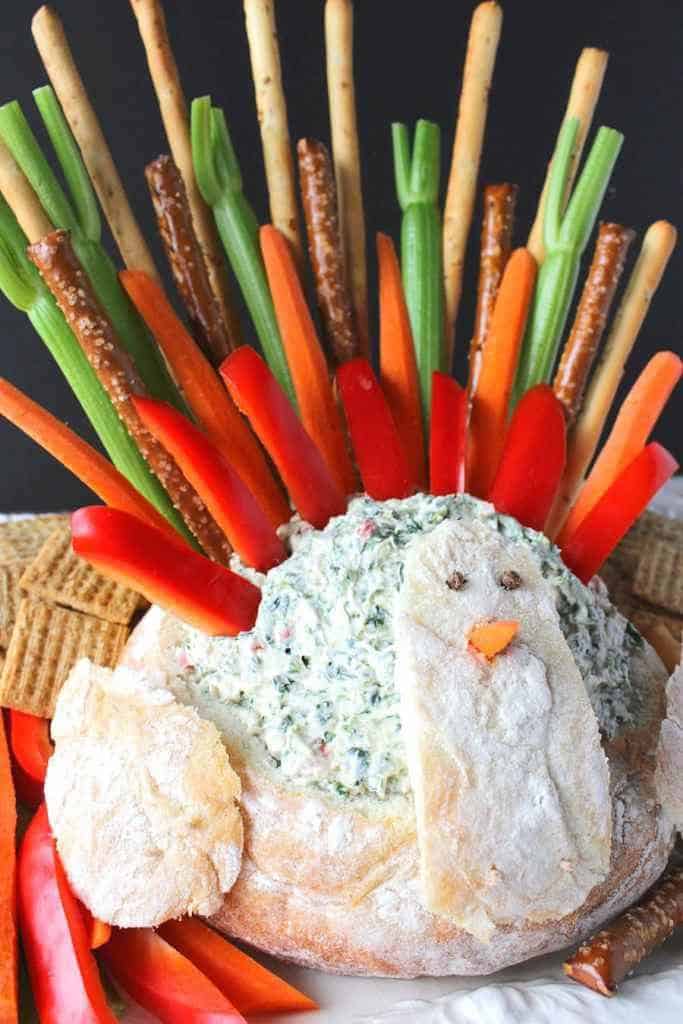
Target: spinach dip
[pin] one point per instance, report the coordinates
(313, 682)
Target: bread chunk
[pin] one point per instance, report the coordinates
(510, 782)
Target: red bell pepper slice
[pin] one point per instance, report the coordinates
(98, 931)
(258, 395)
(226, 496)
(205, 594)
(8, 904)
(162, 981)
(64, 977)
(447, 436)
(383, 464)
(251, 987)
(616, 511)
(532, 463)
(31, 750)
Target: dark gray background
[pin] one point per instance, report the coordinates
(409, 58)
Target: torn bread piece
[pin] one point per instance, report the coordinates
(510, 782)
(669, 774)
(141, 798)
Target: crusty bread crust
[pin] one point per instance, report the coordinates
(330, 887)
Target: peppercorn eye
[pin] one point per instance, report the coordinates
(510, 580)
(456, 581)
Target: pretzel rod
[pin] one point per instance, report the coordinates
(346, 156)
(174, 220)
(496, 243)
(583, 97)
(55, 259)
(469, 136)
(319, 197)
(655, 251)
(272, 116)
(609, 257)
(603, 962)
(174, 114)
(21, 198)
(56, 55)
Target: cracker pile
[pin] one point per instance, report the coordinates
(54, 609)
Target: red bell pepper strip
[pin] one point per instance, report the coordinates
(251, 987)
(205, 594)
(98, 931)
(533, 459)
(162, 981)
(256, 392)
(64, 977)
(447, 436)
(616, 511)
(8, 906)
(226, 496)
(31, 750)
(376, 442)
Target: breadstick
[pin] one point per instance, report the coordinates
(603, 962)
(469, 136)
(656, 249)
(611, 248)
(583, 97)
(21, 198)
(346, 156)
(173, 107)
(272, 116)
(659, 636)
(496, 243)
(319, 197)
(56, 55)
(55, 259)
(174, 220)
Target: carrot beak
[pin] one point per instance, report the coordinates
(492, 638)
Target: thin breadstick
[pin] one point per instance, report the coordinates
(583, 97)
(496, 242)
(611, 248)
(173, 107)
(64, 276)
(56, 55)
(272, 115)
(660, 637)
(469, 137)
(655, 251)
(21, 198)
(346, 156)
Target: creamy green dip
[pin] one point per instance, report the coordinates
(313, 682)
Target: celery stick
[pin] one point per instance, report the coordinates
(22, 284)
(417, 187)
(220, 182)
(566, 234)
(84, 224)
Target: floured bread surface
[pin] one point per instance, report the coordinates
(141, 798)
(510, 782)
(669, 775)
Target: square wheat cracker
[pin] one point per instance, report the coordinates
(22, 539)
(46, 643)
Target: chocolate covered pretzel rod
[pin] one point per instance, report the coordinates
(611, 248)
(496, 243)
(174, 220)
(319, 195)
(54, 257)
(604, 961)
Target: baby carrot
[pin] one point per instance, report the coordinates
(491, 396)
(632, 427)
(398, 367)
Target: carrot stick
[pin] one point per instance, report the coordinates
(9, 1007)
(207, 397)
(491, 397)
(398, 368)
(320, 414)
(76, 455)
(249, 986)
(636, 420)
